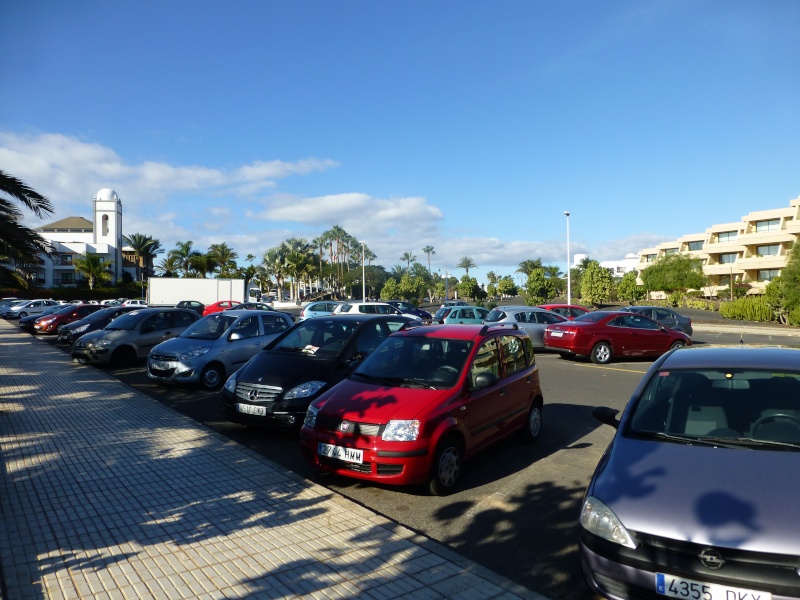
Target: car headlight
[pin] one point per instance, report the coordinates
(304, 390)
(311, 416)
(230, 384)
(103, 343)
(401, 431)
(81, 329)
(194, 353)
(600, 520)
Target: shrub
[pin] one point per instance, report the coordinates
(793, 317)
(749, 308)
(701, 304)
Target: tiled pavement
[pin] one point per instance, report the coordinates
(106, 493)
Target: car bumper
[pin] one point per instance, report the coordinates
(91, 356)
(169, 371)
(45, 328)
(263, 414)
(614, 579)
(393, 463)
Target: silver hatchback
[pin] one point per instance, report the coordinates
(215, 346)
(696, 496)
(530, 319)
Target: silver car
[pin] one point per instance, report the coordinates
(530, 319)
(25, 308)
(696, 496)
(131, 336)
(215, 346)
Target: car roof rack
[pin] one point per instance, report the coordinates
(486, 328)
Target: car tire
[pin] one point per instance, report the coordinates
(446, 467)
(601, 353)
(532, 429)
(678, 344)
(22, 315)
(212, 376)
(124, 356)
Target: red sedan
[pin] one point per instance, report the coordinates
(69, 314)
(219, 306)
(605, 335)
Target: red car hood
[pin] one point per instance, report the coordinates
(366, 402)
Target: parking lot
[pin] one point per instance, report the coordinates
(517, 506)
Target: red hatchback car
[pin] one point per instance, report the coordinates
(603, 335)
(570, 311)
(219, 306)
(423, 401)
(70, 313)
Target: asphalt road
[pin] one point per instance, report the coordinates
(517, 507)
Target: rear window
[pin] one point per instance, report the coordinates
(495, 315)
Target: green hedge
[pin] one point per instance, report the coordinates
(749, 308)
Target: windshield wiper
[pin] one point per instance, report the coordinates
(754, 443)
(687, 439)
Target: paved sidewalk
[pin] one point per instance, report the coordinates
(106, 493)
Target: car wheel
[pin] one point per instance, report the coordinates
(533, 426)
(446, 467)
(123, 356)
(212, 376)
(601, 353)
(678, 344)
(22, 315)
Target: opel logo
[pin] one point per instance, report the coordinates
(711, 559)
(252, 395)
(344, 426)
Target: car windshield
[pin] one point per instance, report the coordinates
(416, 361)
(495, 315)
(592, 317)
(318, 337)
(743, 408)
(127, 321)
(211, 327)
(442, 312)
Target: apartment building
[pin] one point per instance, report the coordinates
(752, 251)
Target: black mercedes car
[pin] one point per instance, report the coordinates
(276, 386)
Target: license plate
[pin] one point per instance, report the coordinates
(557, 333)
(688, 589)
(352, 455)
(160, 366)
(249, 409)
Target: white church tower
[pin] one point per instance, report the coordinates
(108, 227)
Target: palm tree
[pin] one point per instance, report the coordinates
(466, 263)
(202, 264)
(225, 258)
(184, 253)
(93, 267)
(408, 258)
(529, 266)
(145, 249)
(430, 252)
(18, 243)
(168, 267)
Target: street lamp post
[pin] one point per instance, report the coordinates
(569, 278)
(363, 278)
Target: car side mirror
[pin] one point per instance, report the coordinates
(606, 415)
(485, 380)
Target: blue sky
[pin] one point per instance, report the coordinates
(468, 126)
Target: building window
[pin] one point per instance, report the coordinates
(694, 246)
(105, 225)
(66, 259)
(669, 251)
(727, 236)
(649, 257)
(67, 278)
(727, 258)
(771, 250)
(768, 274)
(771, 225)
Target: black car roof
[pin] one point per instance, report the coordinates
(734, 357)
